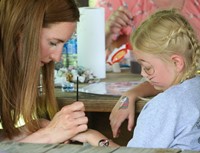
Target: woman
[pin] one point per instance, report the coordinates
(32, 36)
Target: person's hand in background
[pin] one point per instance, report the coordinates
(116, 26)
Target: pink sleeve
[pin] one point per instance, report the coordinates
(109, 6)
(191, 11)
(139, 8)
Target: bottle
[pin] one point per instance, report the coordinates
(63, 61)
(64, 56)
(71, 51)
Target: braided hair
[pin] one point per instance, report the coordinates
(166, 33)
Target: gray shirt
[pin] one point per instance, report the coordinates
(171, 119)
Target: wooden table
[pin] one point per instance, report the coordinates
(100, 103)
(13, 147)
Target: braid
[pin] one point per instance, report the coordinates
(195, 48)
(185, 32)
(166, 33)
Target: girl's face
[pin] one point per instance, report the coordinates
(159, 73)
(53, 39)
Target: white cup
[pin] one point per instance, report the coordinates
(116, 67)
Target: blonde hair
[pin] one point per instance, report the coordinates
(166, 33)
(20, 29)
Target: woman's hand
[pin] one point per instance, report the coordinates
(68, 122)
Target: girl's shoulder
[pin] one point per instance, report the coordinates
(185, 92)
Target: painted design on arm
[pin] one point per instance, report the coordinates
(124, 101)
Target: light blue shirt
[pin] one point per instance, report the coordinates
(171, 119)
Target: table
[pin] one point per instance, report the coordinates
(100, 103)
(14, 147)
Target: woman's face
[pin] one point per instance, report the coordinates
(159, 73)
(53, 39)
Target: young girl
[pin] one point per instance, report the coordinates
(120, 23)
(167, 48)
